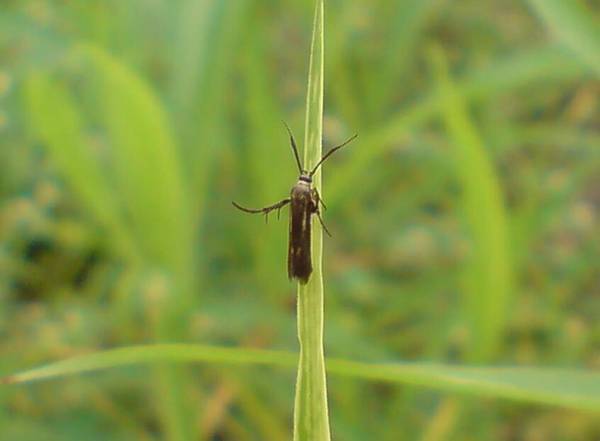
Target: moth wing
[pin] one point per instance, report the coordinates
(299, 245)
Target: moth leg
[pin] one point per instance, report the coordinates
(265, 210)
(318, 213)
(318, 198)
(321, 201)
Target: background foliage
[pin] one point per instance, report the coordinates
(465, 218)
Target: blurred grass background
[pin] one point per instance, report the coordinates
(465, 218)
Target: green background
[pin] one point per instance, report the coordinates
(464, 218)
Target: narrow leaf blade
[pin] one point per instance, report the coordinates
(577, 389)
(311, 416)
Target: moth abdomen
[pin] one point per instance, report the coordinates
(299, 245)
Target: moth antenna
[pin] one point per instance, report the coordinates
(294, 147)
(331, 152)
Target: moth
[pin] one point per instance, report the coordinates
(305, 202)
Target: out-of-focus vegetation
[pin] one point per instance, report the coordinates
(465, 218)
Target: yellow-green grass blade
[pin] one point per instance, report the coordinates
(311, 416)
(573, 24)
(488, 274)
(571, 388)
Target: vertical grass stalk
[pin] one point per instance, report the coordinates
(311, 417)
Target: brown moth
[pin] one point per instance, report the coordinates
(305, 201)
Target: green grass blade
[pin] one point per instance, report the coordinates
(572, 388)
(311, 416)
(574, 25)
(576, 389)
(488, 275)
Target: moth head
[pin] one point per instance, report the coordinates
(305, 177)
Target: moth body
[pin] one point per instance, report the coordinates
(304, 204)
(304, 201)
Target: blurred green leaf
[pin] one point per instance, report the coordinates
(527, 68)
(269, 160)
(201, 107)
(196, 26)
(488, 274)
(406, 22)
(146, 164)
(57, 122)
(574, 25)
(572, 388)
(152, 188)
